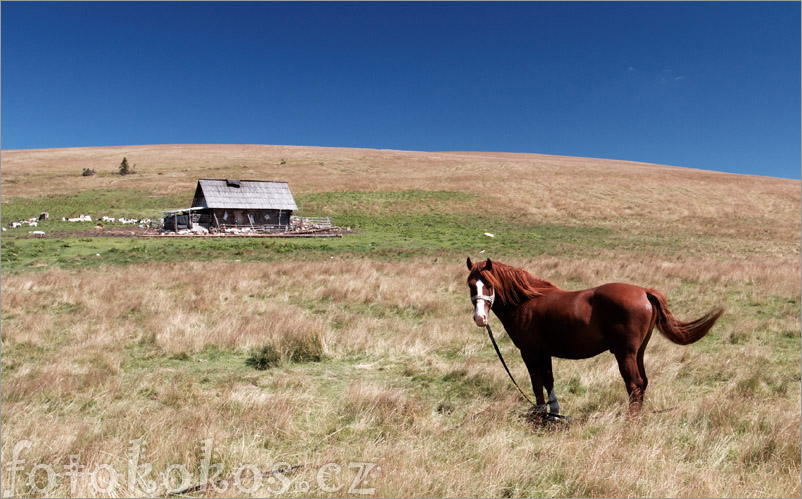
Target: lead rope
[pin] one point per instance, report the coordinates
(501, 358)
(490, 333)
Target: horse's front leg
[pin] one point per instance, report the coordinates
(534, 364)
(548, 384)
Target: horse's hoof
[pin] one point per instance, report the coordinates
(537, 410)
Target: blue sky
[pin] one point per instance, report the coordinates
(710, 85)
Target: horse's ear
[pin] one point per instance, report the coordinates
(470, 264)
(489, 265)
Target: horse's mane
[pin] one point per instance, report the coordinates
(513, 286)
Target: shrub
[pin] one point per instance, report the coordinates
(125, 169)
(263, 358)
(88, 172)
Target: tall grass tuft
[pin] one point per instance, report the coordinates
(263, 358)
(307, 346)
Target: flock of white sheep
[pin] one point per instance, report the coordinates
(34, 222)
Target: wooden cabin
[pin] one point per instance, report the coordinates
(230, 203)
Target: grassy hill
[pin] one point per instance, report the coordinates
(370, 350)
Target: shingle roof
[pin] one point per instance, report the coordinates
(251, 194)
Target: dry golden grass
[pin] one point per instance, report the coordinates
(118, 354)
(95, 359)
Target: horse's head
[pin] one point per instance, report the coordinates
(482, 293)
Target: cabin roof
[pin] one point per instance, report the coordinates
(243, 194)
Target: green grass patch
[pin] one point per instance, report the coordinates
(385, 225)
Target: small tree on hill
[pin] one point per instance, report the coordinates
(125, 169)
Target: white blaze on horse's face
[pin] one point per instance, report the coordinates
(482, 302)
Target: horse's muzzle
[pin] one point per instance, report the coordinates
(480, 320)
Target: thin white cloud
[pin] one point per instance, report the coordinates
(667, 75)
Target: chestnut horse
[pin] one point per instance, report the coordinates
(544, 321)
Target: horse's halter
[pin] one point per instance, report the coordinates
(489, 299)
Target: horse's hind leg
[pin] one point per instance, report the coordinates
(635, 383)
(642, 369)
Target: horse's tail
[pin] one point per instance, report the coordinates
(681, 333)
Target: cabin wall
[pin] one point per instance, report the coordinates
(246, 218)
